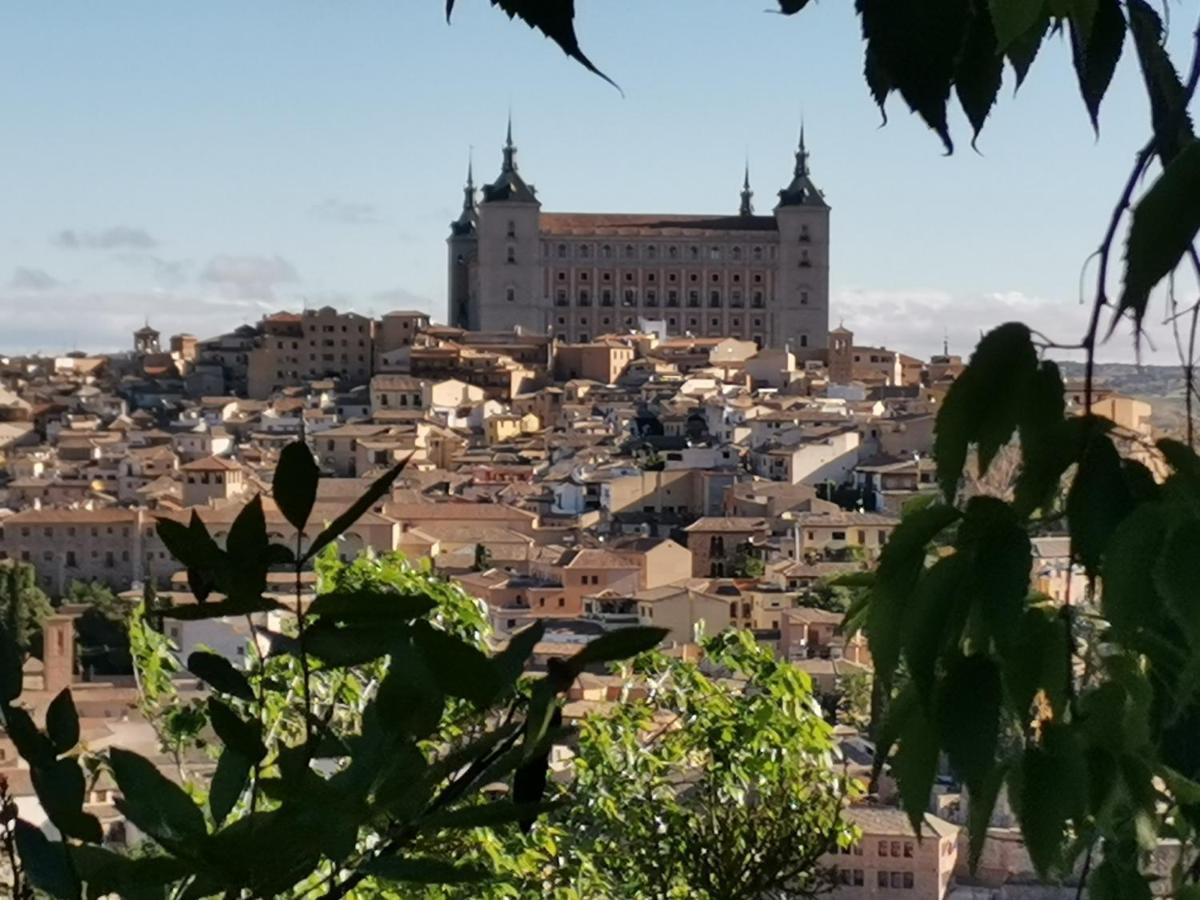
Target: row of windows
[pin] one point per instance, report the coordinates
(328, 342)
(48, 531)
(652, 277)
(897, 880)
(649, 297)
(715, 322)
(670, 251)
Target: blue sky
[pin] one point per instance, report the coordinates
(201, 163)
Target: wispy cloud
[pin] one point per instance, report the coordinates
(116, 237)
(248, 277)
(346, 212)
(168, 273)
(28, 279)
(103, 321)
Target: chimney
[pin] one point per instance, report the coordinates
(58, 653)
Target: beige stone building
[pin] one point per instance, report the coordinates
(889, 862)
(600, 361)
(318, 343)
(763, 278)
(208, 480)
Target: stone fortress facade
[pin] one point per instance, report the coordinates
(580, 275)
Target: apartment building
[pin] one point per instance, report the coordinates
(317, 343)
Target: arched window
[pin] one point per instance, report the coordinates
(673, 252)
(694, 252)
(562, 251)
(510, 294)
(606, 251)
(512, 255)
(512, 228)
(584, 251)
(629, 251)
(737, 253)
(652, 252)
(758, 254)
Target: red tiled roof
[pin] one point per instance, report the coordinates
(645, 225)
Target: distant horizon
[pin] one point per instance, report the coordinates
(224, 160)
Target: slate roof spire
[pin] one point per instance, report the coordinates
(801, 191)
(747, 207)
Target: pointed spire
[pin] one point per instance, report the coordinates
(802, 155)
(510, 149)
(469, 189)
(747, 207)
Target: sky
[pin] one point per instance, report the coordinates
(200, 164)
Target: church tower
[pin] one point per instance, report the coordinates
(463, 245)
(802, 281)
(510, 289)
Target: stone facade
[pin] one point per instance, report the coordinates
(577, 276)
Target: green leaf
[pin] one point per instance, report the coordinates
(917, 42)
(35, 748)
(235, 732)
(191, 544)
(529, 779)
(615, 646)
(353, 645)
(980, 68)
(410, 701)
(980, 805)
(379, 487)
(1001, 559)
(878, 80)
(1045, 440)
(969, 702)
(154, 803)
(1049, 788)
(1098, 501)
(509, 663)
(1177, 576)
(248, 548)
(557, 22)
(229, 781)
(1129, 600)
(219, 673)
(936, 619)
(1168, 99)
(1037, 660)
(11, 661)
(1110, 881)
(294, 487)
(1095, 51)
(61, 789)
(900, 566)
(896, 714)
(62, 722)
(46, 863)
(458, 668)
(1023, 50)
(425, 870)
(1014, 18)
(985, 403)
(361, 607)
(1164, 225)
(914, 764)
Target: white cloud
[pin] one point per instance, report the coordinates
(28, 279)
(346, 212)
(248, 277)
(104, 321)
(117, 237)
